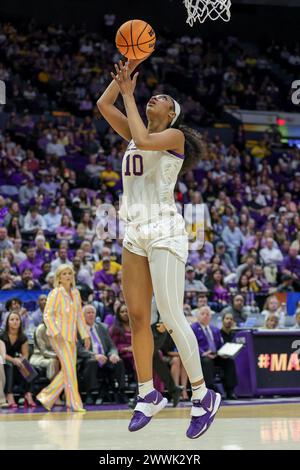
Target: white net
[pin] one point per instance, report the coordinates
(200, 10)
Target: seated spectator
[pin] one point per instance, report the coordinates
(37, 315)
(49, 186)
(258, 281)
(93, 169)
(109, 176)
(3, 210)
(233, 239)
(15, 305)
(55, 148)
(62, 208)
(103, 277)
(33, 221)
(226, 261)
(32, 262)
(13, 228)
(7, 280)
(291, 266)
(247, 264)
(43, 356)
(84, 198)
(219, 293)
(42, 252)
(237, 309)
(49, 285)
(88, 256)
(46, 269)
(210, 341)
(202, 301)
(244, 287)
(271, 257)
(5, 242)
(297, 320)
(27, 282)
(19, 255)
(191, 284)
(253, 241)
(271, 322)
(16, 344)
(227, 330)
(273, 307)
(62, 258)
(114, 267)
(52, 219)
(286, 284)
(14, 211)
(214, 264)
(66, 231)
(3, 402)
(187, 310)
(120, 333)
(87, 227)
(28, 191)
(83, 274)
(101, 361)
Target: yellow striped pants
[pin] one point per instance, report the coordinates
(66, 379)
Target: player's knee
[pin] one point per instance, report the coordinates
(138, 319)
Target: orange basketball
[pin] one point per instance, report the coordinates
(135, 39)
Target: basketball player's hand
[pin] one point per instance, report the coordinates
(123, 79)
(134, 63)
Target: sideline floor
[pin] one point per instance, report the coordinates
(244, 426)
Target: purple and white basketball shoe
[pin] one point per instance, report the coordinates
(203, 413)
(145, 409)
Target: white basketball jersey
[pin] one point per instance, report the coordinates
(148, 178)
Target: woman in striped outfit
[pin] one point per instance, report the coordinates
(63, 317)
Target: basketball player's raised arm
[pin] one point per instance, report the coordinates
(168, 139)
(106, 105)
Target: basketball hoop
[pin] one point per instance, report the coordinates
(202, 9)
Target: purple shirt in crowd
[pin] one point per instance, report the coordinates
(34, 266)
(103, 276)
(291, 264)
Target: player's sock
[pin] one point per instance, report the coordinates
(199, 392)
(145, 388)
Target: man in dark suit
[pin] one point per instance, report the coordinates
(210, 341)
(101, 360)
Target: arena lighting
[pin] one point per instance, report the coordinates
(281, 122)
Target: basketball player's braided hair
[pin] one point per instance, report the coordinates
(193, 149)
(194, 146)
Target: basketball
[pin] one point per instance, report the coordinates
(135, 39)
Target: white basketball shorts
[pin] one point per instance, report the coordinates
(167, 232)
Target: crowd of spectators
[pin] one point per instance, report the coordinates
(60, 171)
(57, 68)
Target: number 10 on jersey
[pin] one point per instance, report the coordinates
(134, 165)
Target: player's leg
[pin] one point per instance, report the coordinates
(168, 276)
(137, 290)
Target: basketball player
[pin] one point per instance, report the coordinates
(156, 242)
